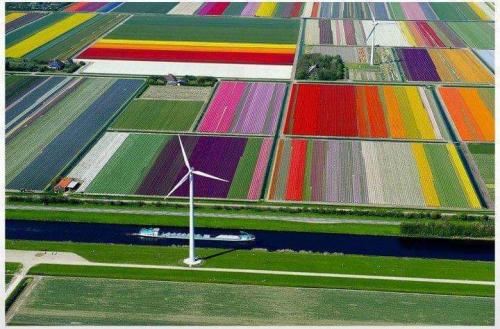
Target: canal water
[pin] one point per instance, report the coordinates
(270, 240)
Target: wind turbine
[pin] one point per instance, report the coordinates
(191, 260)
(372, 34)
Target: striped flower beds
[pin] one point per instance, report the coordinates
(45, 35)
(55, 130)
(101, 7)
(365, 172)
(447, 65)
(149, 164)
(191, 51)
(16, 20)
(244, 108)
(251, 9)
(424, 11)
(388, 34)
(472, 111)
(200, 40)
(401, 112)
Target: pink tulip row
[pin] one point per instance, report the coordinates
(260, 167)
(244, 108)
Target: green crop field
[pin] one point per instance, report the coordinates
(147, 114)
(78, 301)
(10, 270)
(127, 167)
(208, 29)
(484, 156)
(476, 34)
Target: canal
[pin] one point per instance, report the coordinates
(270, 240)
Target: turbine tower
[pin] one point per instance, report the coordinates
(191, 260)
(372, 34)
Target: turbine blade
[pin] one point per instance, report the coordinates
(183, 179)
(186, 162)
(201, 173)
(371, 32)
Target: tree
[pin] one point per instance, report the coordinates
(320, 67)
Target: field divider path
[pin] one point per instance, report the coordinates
(31, 258)
(317, 220)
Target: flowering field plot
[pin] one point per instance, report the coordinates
(46, 34)
(73, 41)
(358, 10)
(16, 19)
(487, 56)
(25, 31)
(218, 46)
(251, 9)
(472, 111)
(16, 86)
(32, 99)
(101, 7)
(357, 61)
(366, 172)
(388, 33)
(150, 164)
(177, 93)
(484, 159)
(464, 11)
(158, 115)
(446, 65)
(400, 112)
(475, 34)
(61, 126)
(145, 7)
(244, 108)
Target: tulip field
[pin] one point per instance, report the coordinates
(244, 108)
(445, 65)
(400, 33)
(383, 134)
(219, 41)
(45, 35)
(58, 119)
(16, 20)
(472, 111)
(367, 172)
(151, 164)
(400, 112)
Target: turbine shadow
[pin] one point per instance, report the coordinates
(219, 254)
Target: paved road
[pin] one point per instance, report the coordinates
(317, 220)
(31, 258)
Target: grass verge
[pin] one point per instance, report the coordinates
(259, 279)
(205, 222)
(264, 260)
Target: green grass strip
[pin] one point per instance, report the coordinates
(145, 114)
(279, 261)
(260, 279)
